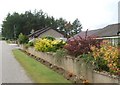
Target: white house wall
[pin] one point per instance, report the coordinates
(113, 39)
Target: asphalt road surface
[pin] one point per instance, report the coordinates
(12, 72)
(0, 62)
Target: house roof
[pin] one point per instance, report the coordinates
(38, 32)
(110, 30)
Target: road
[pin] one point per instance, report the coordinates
(0, 62)
(12, 72)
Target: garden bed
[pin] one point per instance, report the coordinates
(73, 66)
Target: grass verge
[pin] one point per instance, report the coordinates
(38, 72)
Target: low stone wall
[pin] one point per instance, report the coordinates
(74, 66)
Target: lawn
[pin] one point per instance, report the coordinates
(38, 72)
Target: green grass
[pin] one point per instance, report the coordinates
(38, 72)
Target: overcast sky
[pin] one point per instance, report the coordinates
(93, 14)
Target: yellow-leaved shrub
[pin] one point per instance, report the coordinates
(47, 45)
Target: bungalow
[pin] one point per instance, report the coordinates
(46, 32)
(110, 32)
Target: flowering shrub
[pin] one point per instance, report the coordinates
(47, 45)
(107, 57)
(79, 46)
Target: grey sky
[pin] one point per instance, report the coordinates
(93, 14)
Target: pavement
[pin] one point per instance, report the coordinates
(12, 71)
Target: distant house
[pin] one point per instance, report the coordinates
(110, 32)
(46, 32)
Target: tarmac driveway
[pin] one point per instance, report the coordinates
(12, 72)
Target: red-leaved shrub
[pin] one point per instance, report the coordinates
(78, 46)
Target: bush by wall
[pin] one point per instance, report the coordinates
(78, 46)
(23, 39)
(107, 57)
(48, 45)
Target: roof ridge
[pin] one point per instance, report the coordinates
(39, 31)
